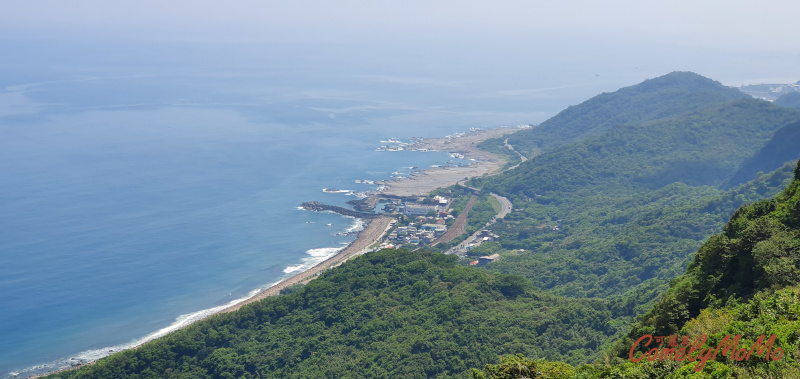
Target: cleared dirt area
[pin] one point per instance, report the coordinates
(459, 226)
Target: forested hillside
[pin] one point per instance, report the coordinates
(621, 212)
(698, 148)
(391, 313)
(607, 246)
(783, 147)
(758, 251)
(791, 99)
(744, 281)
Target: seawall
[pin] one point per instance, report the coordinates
(319, 207)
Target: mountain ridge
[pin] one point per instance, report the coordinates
(683, 91)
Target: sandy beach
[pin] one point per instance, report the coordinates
(374, 230)
(465, 144)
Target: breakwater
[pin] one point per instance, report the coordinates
(319, 207)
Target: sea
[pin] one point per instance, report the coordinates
(142, 189)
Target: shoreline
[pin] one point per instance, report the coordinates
(421, 183)
(427, 180)
(373, 231)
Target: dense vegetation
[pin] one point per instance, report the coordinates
(623, 210)
(759, 250)
(386, 314)
(628, 186)
(791, 99)
(498, 146)
(781, 148)
(608, 245)
(744, 281)
(662, 97)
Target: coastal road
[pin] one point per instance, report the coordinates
(521, 157)
(506, 206)
(509, 147)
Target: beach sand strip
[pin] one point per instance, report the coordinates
(422, 183)
(372, 233)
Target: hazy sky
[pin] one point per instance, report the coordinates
(733, 41)
(731, 24)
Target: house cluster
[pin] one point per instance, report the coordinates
(427, 222)
(421, 207)
(415, 234)
(485, 260)
(484, 235)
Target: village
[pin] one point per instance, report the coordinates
(425, 222)
(420, 222)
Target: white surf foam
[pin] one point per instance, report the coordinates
(87, 356)
(323, 252)
(358, 225)
(292, 269)
(360, 195)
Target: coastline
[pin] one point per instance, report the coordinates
(466, 144)
(422, 183)
(373, 231)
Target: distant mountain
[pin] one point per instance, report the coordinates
(791, 99)
(783, 147)
(669, 95)
(770, 92)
